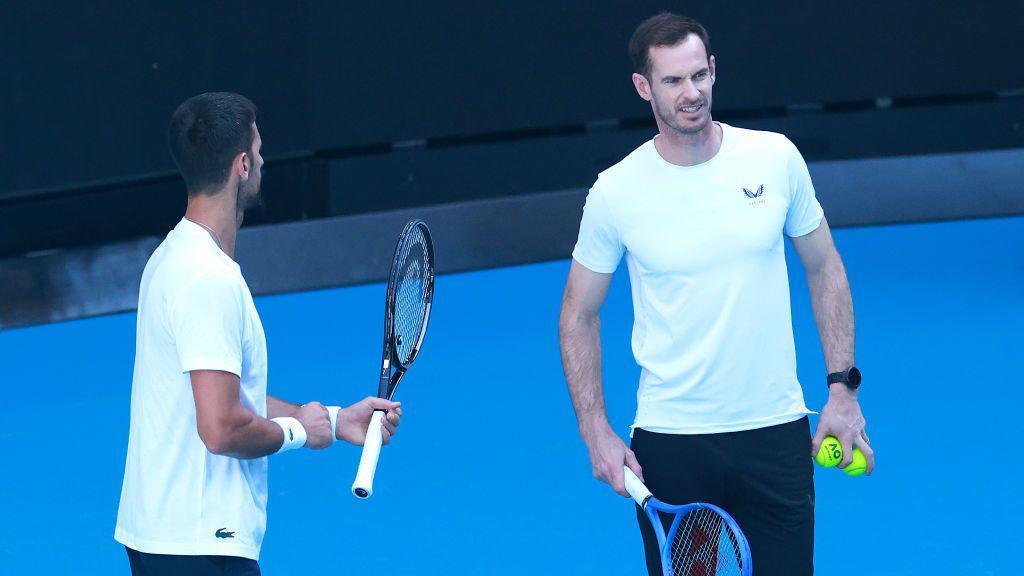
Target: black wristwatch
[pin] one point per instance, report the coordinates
(849, 377)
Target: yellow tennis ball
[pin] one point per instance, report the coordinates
(830, 453)
(858, 465)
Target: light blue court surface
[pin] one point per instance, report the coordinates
(488, 475)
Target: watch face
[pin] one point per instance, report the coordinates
(854, 376)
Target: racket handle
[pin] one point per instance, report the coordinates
(363, 486)
(636, 487)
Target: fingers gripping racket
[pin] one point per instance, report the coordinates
(406, 312)
(702, 539)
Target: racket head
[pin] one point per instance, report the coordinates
(410, 295)
(701, 540)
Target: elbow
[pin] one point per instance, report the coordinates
(813, 273)
(567, 320)
(564, 321)
(826, 267)
(217, 438)
(215, 443)
(572, 320)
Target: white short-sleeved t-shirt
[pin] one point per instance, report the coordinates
(195, 313)
(704, 247)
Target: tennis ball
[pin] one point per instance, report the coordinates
(830, 453)
(858, 465)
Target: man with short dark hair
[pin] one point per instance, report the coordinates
(699, 212)
(202, 425)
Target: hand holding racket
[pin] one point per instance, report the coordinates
(608, 454)
(406, 313)
(355, 419)
(702, 539)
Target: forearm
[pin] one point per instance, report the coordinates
(833, 312)
(580, 340)
(242, 434)
(277, 408)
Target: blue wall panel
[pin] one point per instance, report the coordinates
(488, 476)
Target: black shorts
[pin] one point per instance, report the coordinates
(764, 478)
(144, 564)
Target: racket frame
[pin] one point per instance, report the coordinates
(652, 507)
(388, 382)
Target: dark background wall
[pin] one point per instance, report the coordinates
(89, 87)
(906, 111)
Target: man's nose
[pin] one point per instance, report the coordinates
(690, 92)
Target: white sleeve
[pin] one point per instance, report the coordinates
(599, 246)
(207, 319)
(804, 213)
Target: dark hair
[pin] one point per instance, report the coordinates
(206, 133)
(665, 29)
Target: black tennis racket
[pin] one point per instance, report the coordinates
(406, 313)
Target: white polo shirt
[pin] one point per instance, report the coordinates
(704, 246)
(195, 313)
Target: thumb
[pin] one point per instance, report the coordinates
(618, 481)
(634, 465)
(819, 436)
(381, 403)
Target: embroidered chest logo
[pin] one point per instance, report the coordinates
(223, 533)
(755, 196)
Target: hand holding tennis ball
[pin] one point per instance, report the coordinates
(858, 465)
(831, 453)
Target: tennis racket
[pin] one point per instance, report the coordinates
(702, 539)
(406, 313)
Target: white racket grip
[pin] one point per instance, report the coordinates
(635, 487)
(363, 486)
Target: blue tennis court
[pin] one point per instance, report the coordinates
(488, 475)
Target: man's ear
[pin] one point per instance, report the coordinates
(242, 166)
(643, 87)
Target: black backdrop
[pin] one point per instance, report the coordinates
(88, 87)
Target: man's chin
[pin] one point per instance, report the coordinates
(254, 201)
(692, 127)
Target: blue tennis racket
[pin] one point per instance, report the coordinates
(702, 539)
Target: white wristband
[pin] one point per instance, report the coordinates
(294, 433)
(332, 414)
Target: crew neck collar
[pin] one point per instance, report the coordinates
(726, 141)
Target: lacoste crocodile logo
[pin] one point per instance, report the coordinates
(223, 533)
(757, 194)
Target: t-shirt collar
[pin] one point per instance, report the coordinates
(726, 140)
(201, 236)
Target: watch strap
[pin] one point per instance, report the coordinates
(851, 381)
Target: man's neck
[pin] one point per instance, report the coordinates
(220, 214)
(689, 149)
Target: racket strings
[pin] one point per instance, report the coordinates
(704, 545)
(410, 295)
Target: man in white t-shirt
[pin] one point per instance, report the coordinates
(202, 424)
(700, 212)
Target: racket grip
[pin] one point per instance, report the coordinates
(635, 487)
(363, 486)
